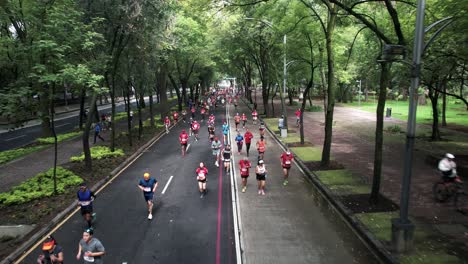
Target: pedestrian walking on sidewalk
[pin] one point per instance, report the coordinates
(248, 140)
(97, 132)
(85, 201)
(52, 253)
(240, 141)
(244, 166)
(261, 173)
(148, 186)
(90, 248)
(286, 159)
(261, 147)
(201, 172)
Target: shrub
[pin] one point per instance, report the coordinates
(120, 116)
(6, 156)
(39, 186)
(394, 129)
(61, 137)
(314, 108)
(99, 152)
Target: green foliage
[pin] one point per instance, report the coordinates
(60, 138)
(99, 152)
(308, 153)
(40, 186)
(314, 108)
(9, 155)
(394, 129)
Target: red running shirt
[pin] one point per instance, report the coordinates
(286, 160)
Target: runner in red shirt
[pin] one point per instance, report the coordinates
(183, 139)
(167, 124)
(202, 172)
(195, 128)
(193, 112)
(254, 116)
(237, 119)
(261, 147)
(244, 120)
(286, 160)
(248, 139)
(298, 116)
(244, 166)
(202, 112)
(175, 116)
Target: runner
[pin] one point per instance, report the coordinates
(91, 248)
(286, 159)
(183, 139)
(240, 141)
(261, 172)
(52, 253)
(184, 115)
(202, 172)
(85, 201)
(225, 132)
(244, 120)
(148, 185)
(175, 116)
(261, 147)
(192, 110)
(167, 124)
(237, 119)
(211, 132)
(236, 98)
(195, 128)
(248, 140)
(202, 112)
(261, 129)
(298, 116)
(244, 166)
(227, 157)
(254, 116)
(211, 119)
(215, 146)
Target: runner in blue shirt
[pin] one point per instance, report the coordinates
(240, 141)
(148, 185)
(225, 132)
(85, 201)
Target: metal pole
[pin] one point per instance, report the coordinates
(359, 94)
(284, 85)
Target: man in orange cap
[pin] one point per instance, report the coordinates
(52, 252)
(148, 186)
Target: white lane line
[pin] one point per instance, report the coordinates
(62, 125)
(10, 139)
(167, 184)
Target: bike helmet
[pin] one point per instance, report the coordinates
(449, 156)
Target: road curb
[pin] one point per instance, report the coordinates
(62, 215)
(377, 248)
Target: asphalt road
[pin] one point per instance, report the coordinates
(185, 228)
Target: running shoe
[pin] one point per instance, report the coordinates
(243, 189)
(285, 182)
(259, 191)
(150, 216)
(263, 192)
(93, 217)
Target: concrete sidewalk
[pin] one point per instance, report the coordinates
(290, 224)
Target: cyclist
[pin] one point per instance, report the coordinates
(244, 120)
(215, 146)
(167, 124)
(195, 128)
(225, 132)
(261, 173)
(254, 116)
(261, 129)
(261, 147)
(240, 141)
(448, 167)
(298, 116)
(286, 159)
(183, 139)
(202, 172)
(227, 157)
(237, 119)
(51, 252)
(148, 185)
(85, 201)
(248, 140)
(175, 116)
(244, 166)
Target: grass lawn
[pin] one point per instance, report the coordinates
(290, 139)
(342, 182)
(272, 124)
(308, 153)
(456, 113)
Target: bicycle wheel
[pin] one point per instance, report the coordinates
(461, 202)
(440, 191)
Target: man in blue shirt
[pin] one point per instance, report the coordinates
(85, 201)
(148, 185)
(225, 132)
(97, 132)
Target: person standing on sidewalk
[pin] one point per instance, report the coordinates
(202, 172)
(148, 186)
(261, 172)
(244, 166)
(85, 201)
(286, 159)
(240, 141)
(261, 147)
(281, 122)
(90, 248)
(97, 132)
(248, 140)
(216, 148)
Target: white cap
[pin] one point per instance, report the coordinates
(450, 156)
(260, 161)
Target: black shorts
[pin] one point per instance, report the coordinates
(183, 144)
(286, 167)
(202, 181)
(261, 177)
(86, 210)
(244, 176)
(195, 131)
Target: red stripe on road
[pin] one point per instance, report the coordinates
(220, 207)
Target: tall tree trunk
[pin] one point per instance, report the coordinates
(384, 80)
(82, 106)
(434, 97)
(331, 89)
(44, 104)
(139, 98)
(89, 121)
(129, 108)
(151, 110)
(163, 105)
(179, 96)
(54, 133)
(322, 77)
(444, 104)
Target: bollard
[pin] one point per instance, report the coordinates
(389, 112)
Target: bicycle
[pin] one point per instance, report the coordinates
(443, 190)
